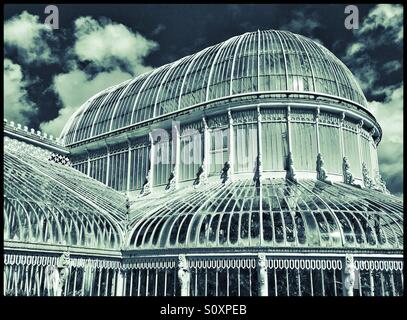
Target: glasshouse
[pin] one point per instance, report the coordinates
(249, 168)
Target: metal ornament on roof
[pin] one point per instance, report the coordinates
(201, 176)
(347, 174)
(225, 173)
(146, 189)
(367, 181)
(290, 170)
(380, 185)
(321, 172)
(348, 275)
(172, 181)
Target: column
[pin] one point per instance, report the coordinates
(289, 128)
(120, 289)
(317, 114)
(231, 143)
(129, 168)
(262, 275)
(88, 170)
(348, 275)
(175, 159)
(359, 133)
(184, 275)
(107, 167)
(206, 144)
(341, 140)
(259, 145)
(152, 157)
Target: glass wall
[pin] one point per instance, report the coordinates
(81, 166)
(98, 168)
(303, 138)
(218, 149)
(139, 165)
(162, 160)
(365, 144)
(351, 144)
(118, 167)
(191, 150)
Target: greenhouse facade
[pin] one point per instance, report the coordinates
(249, 168)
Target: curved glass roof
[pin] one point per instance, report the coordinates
(46, 202)
(262, 61)
(310, 214)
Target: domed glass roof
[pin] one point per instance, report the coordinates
(279, 214)
(264, 61)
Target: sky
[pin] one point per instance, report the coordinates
(49, 73)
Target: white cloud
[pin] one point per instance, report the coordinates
(383, 25)
(389, 114)
(354, 48)
(387, 16)
(116, 51)
(74, 88)
(111, 44)
(305, 23)
(392, 66)
(17, 106)
(29, 37)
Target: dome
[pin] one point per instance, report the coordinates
(279, 214)
(270, 61)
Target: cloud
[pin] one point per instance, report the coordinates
(107, 44)
(160, 28)
(385, 16)
(17, 106)
(74, 88)
(30, 38)
(304, 22)
(109, 53)
(390, 116)
(382, 27)
(392, 66)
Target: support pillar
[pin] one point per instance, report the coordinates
(184, 275)
(341, 136)
(317, 115)
(289, 129)
(348, 276)
(262, 275)
(205, 161)
(120, 283)
(175, 159)
(231, 144)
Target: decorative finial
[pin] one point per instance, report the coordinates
(201, 175)
(367, 181)
(146, 189)
(379, 183)
(257, 172)
(347, 175)
(321, 172)
(172, 181)
(224, 174)
(289, 167)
